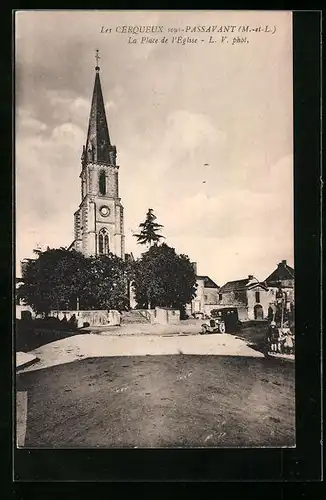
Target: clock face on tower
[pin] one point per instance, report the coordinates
(104, 211)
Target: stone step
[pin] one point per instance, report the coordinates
(129, 317)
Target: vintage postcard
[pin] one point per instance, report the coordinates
(155, 269)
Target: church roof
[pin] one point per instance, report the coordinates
(98, 144)
(282, 272)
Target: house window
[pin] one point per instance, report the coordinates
(236, 295)
(102, 182)
(219, 296)
(257, 295)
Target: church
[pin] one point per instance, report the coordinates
(99, 219)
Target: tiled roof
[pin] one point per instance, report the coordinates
(208, 282)
(240, 285)
(282, 272)
(235, 285)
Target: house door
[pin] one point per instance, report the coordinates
(258, 312)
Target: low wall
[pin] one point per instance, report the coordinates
(165, 316)
(93, 318)
(209, 307)
(22, 310)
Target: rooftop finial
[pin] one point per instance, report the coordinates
(97, 57)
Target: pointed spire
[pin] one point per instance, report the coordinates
(97, 57)
(98, 145)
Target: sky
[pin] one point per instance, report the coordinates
(203, 131)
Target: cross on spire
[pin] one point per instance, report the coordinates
(98, 146)
(97, 57)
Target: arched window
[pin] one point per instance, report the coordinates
(102, 182)
(106, 244)
(103, 242)
(100, 244)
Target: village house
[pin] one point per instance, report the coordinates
(282, 277)
(248, 295)
(206, 297)
(255, 299)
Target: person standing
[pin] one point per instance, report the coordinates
(275, 338)
(272, 337)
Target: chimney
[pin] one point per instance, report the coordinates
(250, 277)
(284, 262)
(23, 266)
(194, 265)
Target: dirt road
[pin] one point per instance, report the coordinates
(160, 401)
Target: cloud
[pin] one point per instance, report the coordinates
(43, 201)
(27, 124)
(69, 134)
(204, 135)
(63, 108)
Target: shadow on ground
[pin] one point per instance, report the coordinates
(31, 335)
(255, 335)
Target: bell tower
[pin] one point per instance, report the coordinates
(99, 219)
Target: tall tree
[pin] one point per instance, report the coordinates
(149, 230)
(164, 278)
(58, 277)
(104, 284)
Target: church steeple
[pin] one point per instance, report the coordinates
(98, 145)
(98, 222)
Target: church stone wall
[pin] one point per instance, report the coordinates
(111, 182)
(118, 245)
(77, 225)
(91, 240)
(91, 216)
(93, 180)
